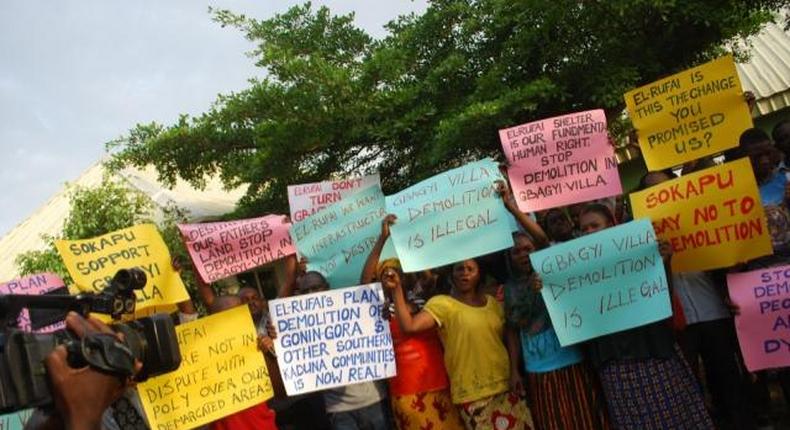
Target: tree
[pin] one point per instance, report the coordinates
(430, 95)
(108, 207)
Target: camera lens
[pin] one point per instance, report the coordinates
(130, 279)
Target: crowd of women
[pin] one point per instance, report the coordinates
(475, 347)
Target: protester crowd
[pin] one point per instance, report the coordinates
(476, 348)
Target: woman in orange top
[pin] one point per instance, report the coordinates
(420, 392)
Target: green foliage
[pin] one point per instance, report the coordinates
(93, 212)
(108, 207)
(430, 95)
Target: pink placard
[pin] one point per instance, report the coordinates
(560, 161)
(33, 285)
(222, 249)
(763, 324)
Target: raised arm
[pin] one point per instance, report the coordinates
(205, 292)
(369, 270)
(291, 275)
(409, 323)
(186, 307)
(530, 226)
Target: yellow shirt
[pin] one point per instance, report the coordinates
(474, 353)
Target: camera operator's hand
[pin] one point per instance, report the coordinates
(82, 395)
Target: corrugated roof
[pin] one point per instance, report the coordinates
(767, 74)
(48, 219)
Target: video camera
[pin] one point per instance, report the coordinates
(24, 382)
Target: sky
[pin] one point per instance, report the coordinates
(75, 74)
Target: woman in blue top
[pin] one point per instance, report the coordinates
(562, 391)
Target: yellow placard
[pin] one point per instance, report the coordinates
(93, 262)
(221, 373)
(712, 218)
(691, 114)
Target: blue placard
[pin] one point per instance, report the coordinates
(450, 217)
(337, 240)
(15, 420)
(603, 283)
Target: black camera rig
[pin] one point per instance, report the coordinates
(152, 340)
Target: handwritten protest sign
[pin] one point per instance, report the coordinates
(763, 324)
(337, 240)
(93, 262)
(33, 285)
(16, 420)
(604, 282)
(307, 199)
(450, 217)
(560, 161)
(222, 249)
(691, 114)
(222, 372)
(333, 338)
(712, 218)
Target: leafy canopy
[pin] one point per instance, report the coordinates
(431, 94)
(96, 211)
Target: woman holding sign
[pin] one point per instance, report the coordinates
(561, 389)
(646, 382)
(471, 326)
(419, 393)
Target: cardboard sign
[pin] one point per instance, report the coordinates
(307, 199)
(222, 249)
(712, 218)
(93, 262)
(560, 161)
(763, 324)
(222, 372)
(16, 420)
(604, 282)
(333, 338)
(450, 217)
(33, 285)
(700, 111)
(337, 240)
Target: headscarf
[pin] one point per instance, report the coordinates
(411, 296)
(390, 263)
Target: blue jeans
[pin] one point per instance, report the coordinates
(374, 417)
